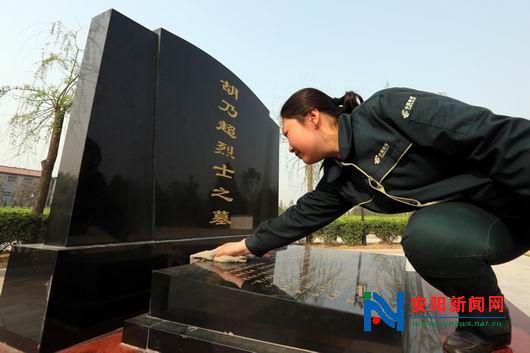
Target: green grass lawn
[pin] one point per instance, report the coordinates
(22, 210)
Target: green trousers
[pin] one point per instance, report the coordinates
(452, 245)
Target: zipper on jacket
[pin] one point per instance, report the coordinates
(374, 184)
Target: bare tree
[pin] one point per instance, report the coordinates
(44, 103)
(312, 174)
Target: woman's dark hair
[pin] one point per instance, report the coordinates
(302, 101)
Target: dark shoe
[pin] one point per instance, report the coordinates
(462, 341)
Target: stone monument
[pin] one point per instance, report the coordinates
(167, 153)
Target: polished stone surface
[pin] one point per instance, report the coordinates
(55, 296)
(302, 297)
(163, 336)
(162, 138)
(24, 297)
(194, 135)
(104, 187)
(166, 153)
(418, 339)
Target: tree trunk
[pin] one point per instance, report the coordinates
(363, 236)
(49, 163)
(309, 175)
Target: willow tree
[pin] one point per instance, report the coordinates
(44, 103)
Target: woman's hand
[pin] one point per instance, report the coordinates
(232, 249)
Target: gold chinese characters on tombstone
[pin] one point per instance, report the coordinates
(224, 147)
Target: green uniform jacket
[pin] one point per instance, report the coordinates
(404, 149)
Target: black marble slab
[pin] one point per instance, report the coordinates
(307, 298)
(104, 191)
(418, 339)
(161, 138)
(196, 140)
(163, 336)
(218, 315)
(54, 297)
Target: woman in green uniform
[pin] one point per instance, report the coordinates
(464, 170)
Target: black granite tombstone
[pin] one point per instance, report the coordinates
(167, 153)
(307, 299)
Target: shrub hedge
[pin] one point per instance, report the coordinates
(20, 225)
(350, 229)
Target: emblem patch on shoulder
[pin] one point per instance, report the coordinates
(408, 107)
(379, 156)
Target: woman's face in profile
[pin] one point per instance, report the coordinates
(303, 139)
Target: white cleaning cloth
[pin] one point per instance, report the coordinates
(209, 255)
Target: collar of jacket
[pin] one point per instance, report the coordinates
(345, 136)
(333, 167)
(374, 152)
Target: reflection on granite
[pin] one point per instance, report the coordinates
(302, 297)
(24, 297)
(418, 339)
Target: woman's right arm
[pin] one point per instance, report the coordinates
(312, 211)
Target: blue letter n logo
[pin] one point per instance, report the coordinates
(379, 305)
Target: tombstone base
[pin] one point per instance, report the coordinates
(150, 333)
(306, 298)
(301, 299)
(54, 297)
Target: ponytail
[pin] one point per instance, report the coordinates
(302, 101)
(349, 101)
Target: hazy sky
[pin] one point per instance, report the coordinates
(475, 51)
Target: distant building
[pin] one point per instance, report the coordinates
(19, 187)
